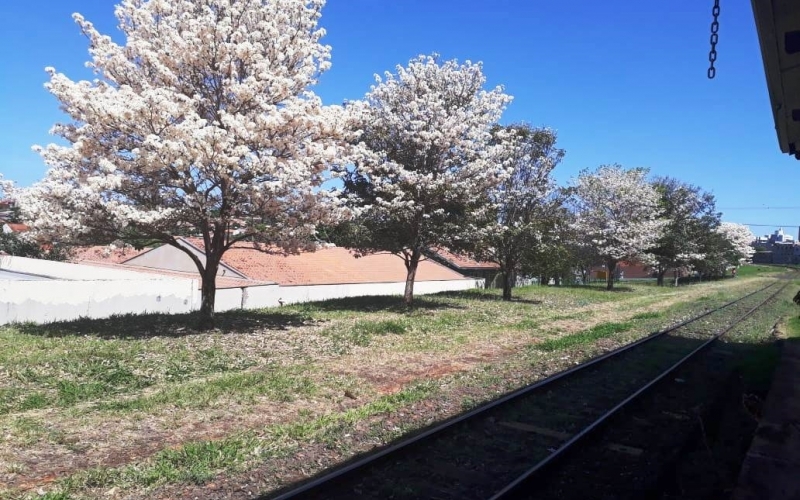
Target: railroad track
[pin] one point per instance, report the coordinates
(496, 450)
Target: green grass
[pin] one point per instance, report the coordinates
(754, 344)
(300, 359)
(750, 270)
(384, 327)
(197, 462)
(793, 327)
(595, 333)
(527, 324)
(647, 315)
(278, 385)
(55, 496)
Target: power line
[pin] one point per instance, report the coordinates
(758, 208)
(771, 225)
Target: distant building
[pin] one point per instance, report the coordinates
(624, 270)
(776, 248)
(766, 242)
(247, 264)
(489, 271)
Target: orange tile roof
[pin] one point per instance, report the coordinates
(105, 254)
(222, 282)
(332, 265)
(17, 228)
(462, 261)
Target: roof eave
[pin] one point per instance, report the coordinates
(778, 25)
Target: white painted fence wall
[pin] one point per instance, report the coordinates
(47, 301)
(68, 271)
(313, 293)
(76, 291)
(257, 297)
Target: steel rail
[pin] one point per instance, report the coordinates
(513, 487)
(375, 456)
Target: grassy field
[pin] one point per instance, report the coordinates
(750, 270)
(146, 407)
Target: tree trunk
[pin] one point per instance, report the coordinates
(677, 275)
(557, 281)
(612, 266)
(411, 267)
(507, 284)
(208, 293)
(660, 278)
(509, 277)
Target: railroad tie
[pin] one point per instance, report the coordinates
(620, 448)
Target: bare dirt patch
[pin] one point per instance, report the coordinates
(391, 374)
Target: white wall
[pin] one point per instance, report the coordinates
(96, 292)
(170, 258)
(269, 296)
(68, 271)
(226, 299)
(256, 297)
(77, 290)
(61, 300)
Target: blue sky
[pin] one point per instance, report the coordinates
(621, 81)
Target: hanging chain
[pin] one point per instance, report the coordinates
(712, 55)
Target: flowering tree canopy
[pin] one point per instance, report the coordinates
(5, 186)
(202, 122)
(740, 239)
(523, 207)
(727, 246)
(428, 159)
(618, 211)
(691, 220)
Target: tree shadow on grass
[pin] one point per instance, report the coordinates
(142, 326)
(486, 297)
(618, 288)
(376, 303)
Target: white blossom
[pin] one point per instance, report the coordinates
(740, 238)
(617, 210)
(204, 119)
(522, 209)
(427, 154)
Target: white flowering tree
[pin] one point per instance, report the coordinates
(740, 239)
(428, 161)
(523, 209)
(727, 246)
(617, 210)
(692, 220)
(200, 122)
(564, 253)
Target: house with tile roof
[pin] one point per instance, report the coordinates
(624, 270)
(253, 276)
(462, 264)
